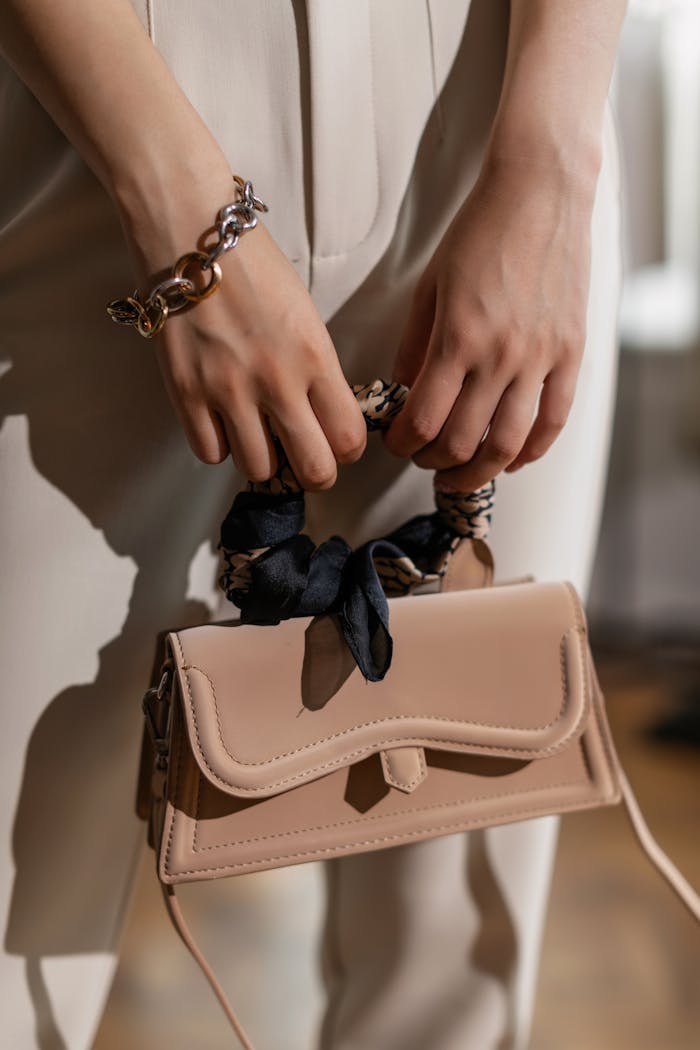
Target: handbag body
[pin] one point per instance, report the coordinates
(265, 747)
(268, 748)
(280, 752)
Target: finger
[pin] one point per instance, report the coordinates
(202, 425)
(505, 438)
(428, 404)
(250, 441)
(340, 417)
(416, 334)
(204, 431)
(310, 456)
(555, 404)
(466, 424)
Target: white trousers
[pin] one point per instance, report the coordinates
(362, 125)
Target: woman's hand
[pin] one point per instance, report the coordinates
(498, 317)
(256, 350)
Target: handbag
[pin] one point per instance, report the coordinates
(401, 695)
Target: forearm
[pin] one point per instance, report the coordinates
(255, 355)
(94, 69)
(558, 68)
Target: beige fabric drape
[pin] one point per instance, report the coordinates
(361, 124)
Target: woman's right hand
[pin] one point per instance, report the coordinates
(256, 350)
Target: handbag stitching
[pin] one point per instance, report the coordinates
(367, 749)
(384, 816)
(319, 851)
(411, 783)
(610, 755)
(397, 813)
(576, 607)
(344, 759)
(376, 721)
(174, 804)
(399, 836)
(186, 668)
(580, 633)
(585, 707)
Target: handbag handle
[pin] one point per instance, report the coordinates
(271, 571)
(466, 513)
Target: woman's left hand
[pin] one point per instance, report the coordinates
(498, 320)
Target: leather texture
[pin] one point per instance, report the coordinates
(281, 753)
(268, 748)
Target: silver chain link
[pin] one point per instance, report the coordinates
(233, 219)
(178, 291)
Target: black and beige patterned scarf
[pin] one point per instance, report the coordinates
(272, 571)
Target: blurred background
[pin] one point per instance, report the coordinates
(621, 959)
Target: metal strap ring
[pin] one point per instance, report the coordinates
(152, 316)
(125, 311)
(224, 245)
(181, 284)
(174, 290)
(198, 259)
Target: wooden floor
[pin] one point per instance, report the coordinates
(621, 958)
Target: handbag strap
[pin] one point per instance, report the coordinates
(660, 860)
(272, 570)
(174, 910)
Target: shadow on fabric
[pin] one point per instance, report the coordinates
(99, 418)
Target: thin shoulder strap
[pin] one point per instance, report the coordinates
(663, 864)
(183, 930)
(661, 861)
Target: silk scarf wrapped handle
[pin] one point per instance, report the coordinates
(272, 571)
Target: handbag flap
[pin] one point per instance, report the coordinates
(498, 671)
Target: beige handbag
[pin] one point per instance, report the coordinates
(265, 746)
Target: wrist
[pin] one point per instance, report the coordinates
(167, 207)
(568, 157)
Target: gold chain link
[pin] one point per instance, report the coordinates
(179, 291)
(197, 259)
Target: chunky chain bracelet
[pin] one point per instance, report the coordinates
(179, 290)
